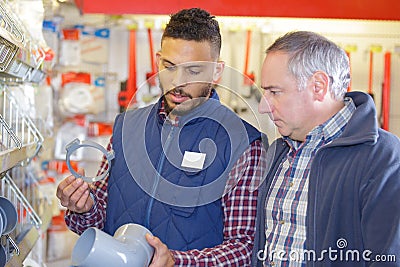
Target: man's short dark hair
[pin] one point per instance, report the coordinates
(194, 24)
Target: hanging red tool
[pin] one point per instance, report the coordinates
(373, 49)
(151, 76)
(350, 49)
(127, 94)
(386, 92)
(349, 56)
(370, 76)
(249, 78)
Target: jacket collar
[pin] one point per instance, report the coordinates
(363, 125)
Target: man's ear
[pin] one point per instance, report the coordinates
(320, 85)
(219, 69)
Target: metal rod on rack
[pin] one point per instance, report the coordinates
(13, 244)
(10, 133)
(25, 203)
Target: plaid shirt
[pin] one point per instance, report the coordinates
(239, 205)
(286, 205)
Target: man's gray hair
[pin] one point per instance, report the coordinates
(310, 52)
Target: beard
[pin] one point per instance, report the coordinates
(185, 107)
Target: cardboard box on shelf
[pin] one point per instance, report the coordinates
(60, 240)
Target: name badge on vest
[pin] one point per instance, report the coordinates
(193, 160)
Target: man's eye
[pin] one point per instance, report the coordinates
(194, 71)
(274, 92)
(170, 67)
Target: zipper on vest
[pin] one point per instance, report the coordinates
(160, 166)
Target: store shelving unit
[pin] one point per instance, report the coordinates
(20, 139)
(33, 219)
(21, 61)
(20, 142)
(21, 57)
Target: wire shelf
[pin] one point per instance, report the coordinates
(21, 187)
(7, 53)
(20, 142)
(21, 60)
(21, 55)
(16, 128)
(9, 22)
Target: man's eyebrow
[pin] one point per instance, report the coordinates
(167, 61)
(268, 87)
(196, 64)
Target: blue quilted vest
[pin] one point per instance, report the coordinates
(149, 184)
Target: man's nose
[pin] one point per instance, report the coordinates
(178, 77)
(264, 106)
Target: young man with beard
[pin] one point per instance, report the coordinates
(200, 212)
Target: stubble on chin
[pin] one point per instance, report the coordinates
(185, 107)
